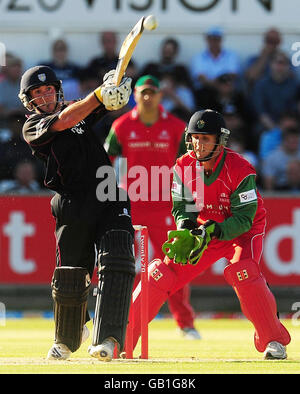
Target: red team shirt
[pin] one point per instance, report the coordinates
(223, 190)
(150, 152)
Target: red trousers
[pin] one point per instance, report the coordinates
(159, 221)
(247, 246)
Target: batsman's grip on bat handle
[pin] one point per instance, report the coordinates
(107, 80)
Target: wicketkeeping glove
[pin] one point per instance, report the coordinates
(179, 245)
(113, 97)
(189, 245)
(204, 234)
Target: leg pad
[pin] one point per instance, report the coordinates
(257, 302)
(116, 276)
(70, 289)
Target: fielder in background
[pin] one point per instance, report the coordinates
(149, 139)
(219, 213)
(60, 134)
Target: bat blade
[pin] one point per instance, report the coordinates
(127, 49)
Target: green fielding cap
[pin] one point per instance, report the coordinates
(147, 82)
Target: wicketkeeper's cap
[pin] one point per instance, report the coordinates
(147, 82)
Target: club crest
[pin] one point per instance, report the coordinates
(42, 77)
(200, 124)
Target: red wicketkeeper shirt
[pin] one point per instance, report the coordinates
(228, 196)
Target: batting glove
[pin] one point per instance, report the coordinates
(113, 97)
(108, 78)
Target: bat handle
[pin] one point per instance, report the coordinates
(117, 76)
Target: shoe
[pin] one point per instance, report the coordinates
(59, 351)
(275, 351)
(190, 333)
(104, 351)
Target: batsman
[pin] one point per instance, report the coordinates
(219, 213)
(61, 135)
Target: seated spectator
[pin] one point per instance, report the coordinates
(239, 129)
(232, 102)
(213, 61)
(88, 81)
(167, 63)
(24, 181)
(237, 143)
(274, 166)
(108, 58)
(177, 98)
(275, 93)
(10, 86)
(15, 149)
(225, 93)
(293, 177)
(271, 139)
(258, 65)
(66, 71)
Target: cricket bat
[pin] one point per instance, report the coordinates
(127, 49)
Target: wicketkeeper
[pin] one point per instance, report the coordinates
(219, 213)
(60, 134)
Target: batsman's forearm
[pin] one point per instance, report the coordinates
(75, 112)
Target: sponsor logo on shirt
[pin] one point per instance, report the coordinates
(139, 144)
(224, 198)
(77, 129)
(164, 135)
(132, 135)
(125, 213)
(148, 144)
(248, 196)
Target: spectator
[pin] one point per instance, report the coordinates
(66, 71)
(274, 167)
(24, 181)
(168, 63)
(258, 66)
(235, 106)
(238, 144)
(10, 85)
(275, 93)
(224, 94)
(88, 81)
(271, 139)
(213, 61)
(177, 98)
(108, 59)
(238, 127)
(293, 176)
(15, 148)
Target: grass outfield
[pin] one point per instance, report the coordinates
(226, 347)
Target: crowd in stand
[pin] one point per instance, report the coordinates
(259, 98)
